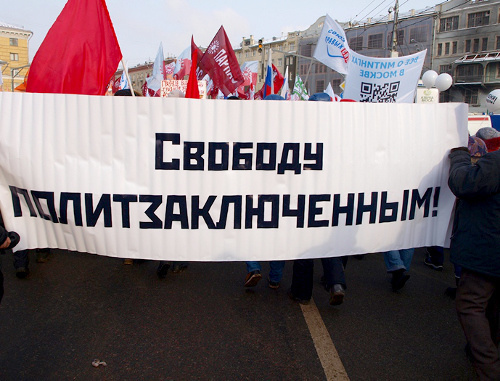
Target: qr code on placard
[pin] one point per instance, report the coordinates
(379, 93)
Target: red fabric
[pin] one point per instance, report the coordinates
(192, 90)
(278, 81)
(80, 53)
(116, 84)
(492, 144)
(219, 61)
(200, 73)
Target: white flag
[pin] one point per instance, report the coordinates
(285, 90)
(329, 91)
(299, 90)
(154, 82)
(332, 48)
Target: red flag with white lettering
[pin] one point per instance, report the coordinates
(219, 61)
(80, 53)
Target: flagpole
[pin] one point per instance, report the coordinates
(128, 78)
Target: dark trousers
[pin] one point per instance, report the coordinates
(477, 304)
(303, 271)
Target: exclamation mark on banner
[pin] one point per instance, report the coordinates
(436, 201)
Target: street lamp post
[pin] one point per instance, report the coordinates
(14, 76)
(1, 72)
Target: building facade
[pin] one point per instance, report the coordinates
(14, 55)
(371, 38)
(467, 46)
(283, 54)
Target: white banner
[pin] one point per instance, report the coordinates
(183, 179)
(332, 48)
(383, 80)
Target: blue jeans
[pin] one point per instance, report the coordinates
(398, 259)
(275, 272)
(333, 271)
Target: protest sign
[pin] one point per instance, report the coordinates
(171, 84)
(183, 179)
(382, 80)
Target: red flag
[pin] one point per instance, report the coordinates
(278, 80)
(219, 61)
(80, 53)
(200, 73)
(192, 90)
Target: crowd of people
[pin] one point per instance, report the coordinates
(474, 178)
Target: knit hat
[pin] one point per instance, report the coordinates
(477, 147)
(324, 97)
(274, 97)
(487, 133)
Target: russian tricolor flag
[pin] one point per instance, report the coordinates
(268, 84)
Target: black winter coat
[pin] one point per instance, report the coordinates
(475, 239)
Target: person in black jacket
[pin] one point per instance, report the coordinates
(7, 241)
(475, 246)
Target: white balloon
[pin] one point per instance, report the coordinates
(493, 101)
(429, 78)
(443, 81)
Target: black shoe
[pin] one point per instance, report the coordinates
(273, 285)
(162, 270)
(399, 278)
(22, 272)
(296, 298)
(337, 294)
(428, 262)
(179, 268)
(253, 278)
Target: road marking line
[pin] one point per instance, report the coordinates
(328, 355)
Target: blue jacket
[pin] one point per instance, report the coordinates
(475, 239)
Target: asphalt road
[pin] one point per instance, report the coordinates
(202, 324)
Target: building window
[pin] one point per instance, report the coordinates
(356, 43)
(440, 49)
(469, 73)
(375, 41)
(13, 41)
(306, 50)
(467, 46)
(447, 48)
(475, 46)
(478, 19)
(444, 97)
(14, 56)
(280, 62)
(498, 43)
(471, 96)
(401, 38)
(418, 34)
(454, 47)
(444, 69)
(448, 23)
(253, 52)
(292, 46)
(320, 86)
(484, 44)
(336, 85)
